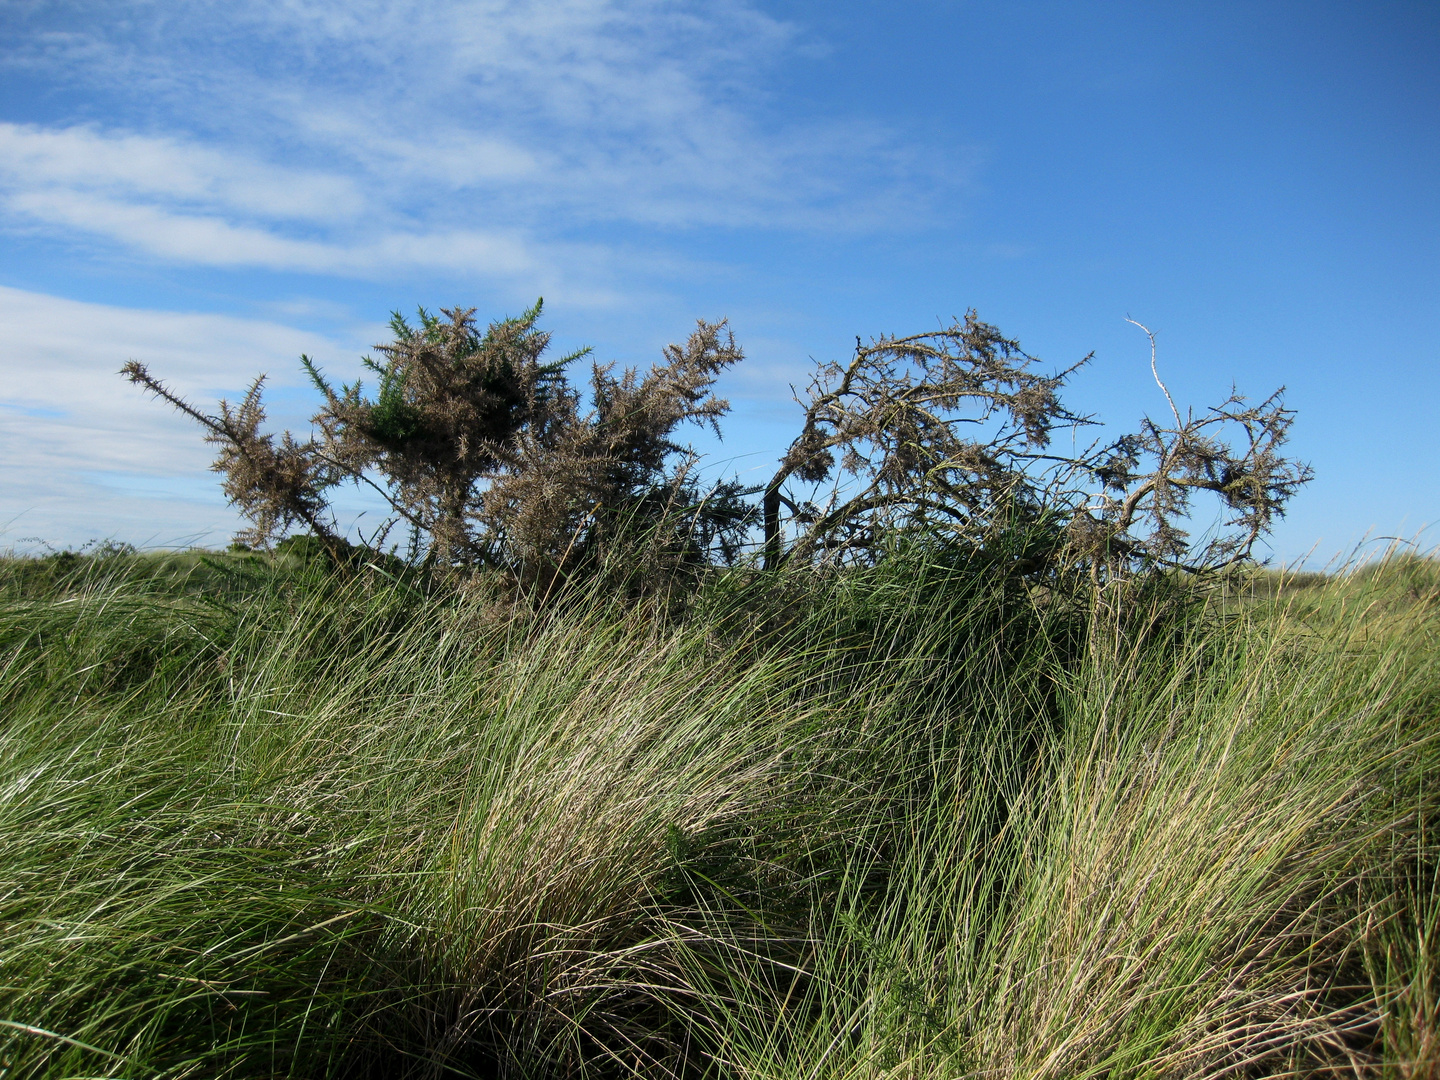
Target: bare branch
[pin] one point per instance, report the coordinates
(1154, 370)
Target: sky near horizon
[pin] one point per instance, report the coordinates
(215, 188)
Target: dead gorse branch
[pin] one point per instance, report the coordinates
(935, 432)
(277, 483)
(1149, 480)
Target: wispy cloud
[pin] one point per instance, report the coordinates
(195, 204)
(333, 137)
(213, 241)
(130, 166)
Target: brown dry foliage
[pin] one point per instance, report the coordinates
(933, 431)
(489, 452)
(1150, 478)
(484, 448)
(946, 434)
(451, 408)
(582, 480)
(277, 484)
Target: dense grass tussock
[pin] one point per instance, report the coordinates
(256, 821)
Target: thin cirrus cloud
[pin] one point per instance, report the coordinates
(126, 165)
(198, 205)
(213, 241)
(401, 123)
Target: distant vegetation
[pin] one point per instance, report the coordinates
(969, 764)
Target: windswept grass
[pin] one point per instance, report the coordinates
(257, 822)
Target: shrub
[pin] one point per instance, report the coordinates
(492, 457)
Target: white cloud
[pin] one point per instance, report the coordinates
(327, 137)
(208, 241)
(212, 241)
(126, 165)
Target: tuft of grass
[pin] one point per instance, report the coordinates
(1220, 861)
(260, 821)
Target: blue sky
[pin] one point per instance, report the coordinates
(214, 188)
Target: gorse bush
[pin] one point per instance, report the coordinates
(489, 455)
(483, 449)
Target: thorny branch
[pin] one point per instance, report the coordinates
(946, 433)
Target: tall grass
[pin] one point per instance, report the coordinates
(260, 822)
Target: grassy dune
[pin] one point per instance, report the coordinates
(256, 821)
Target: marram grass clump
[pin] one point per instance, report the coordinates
(257, 821)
